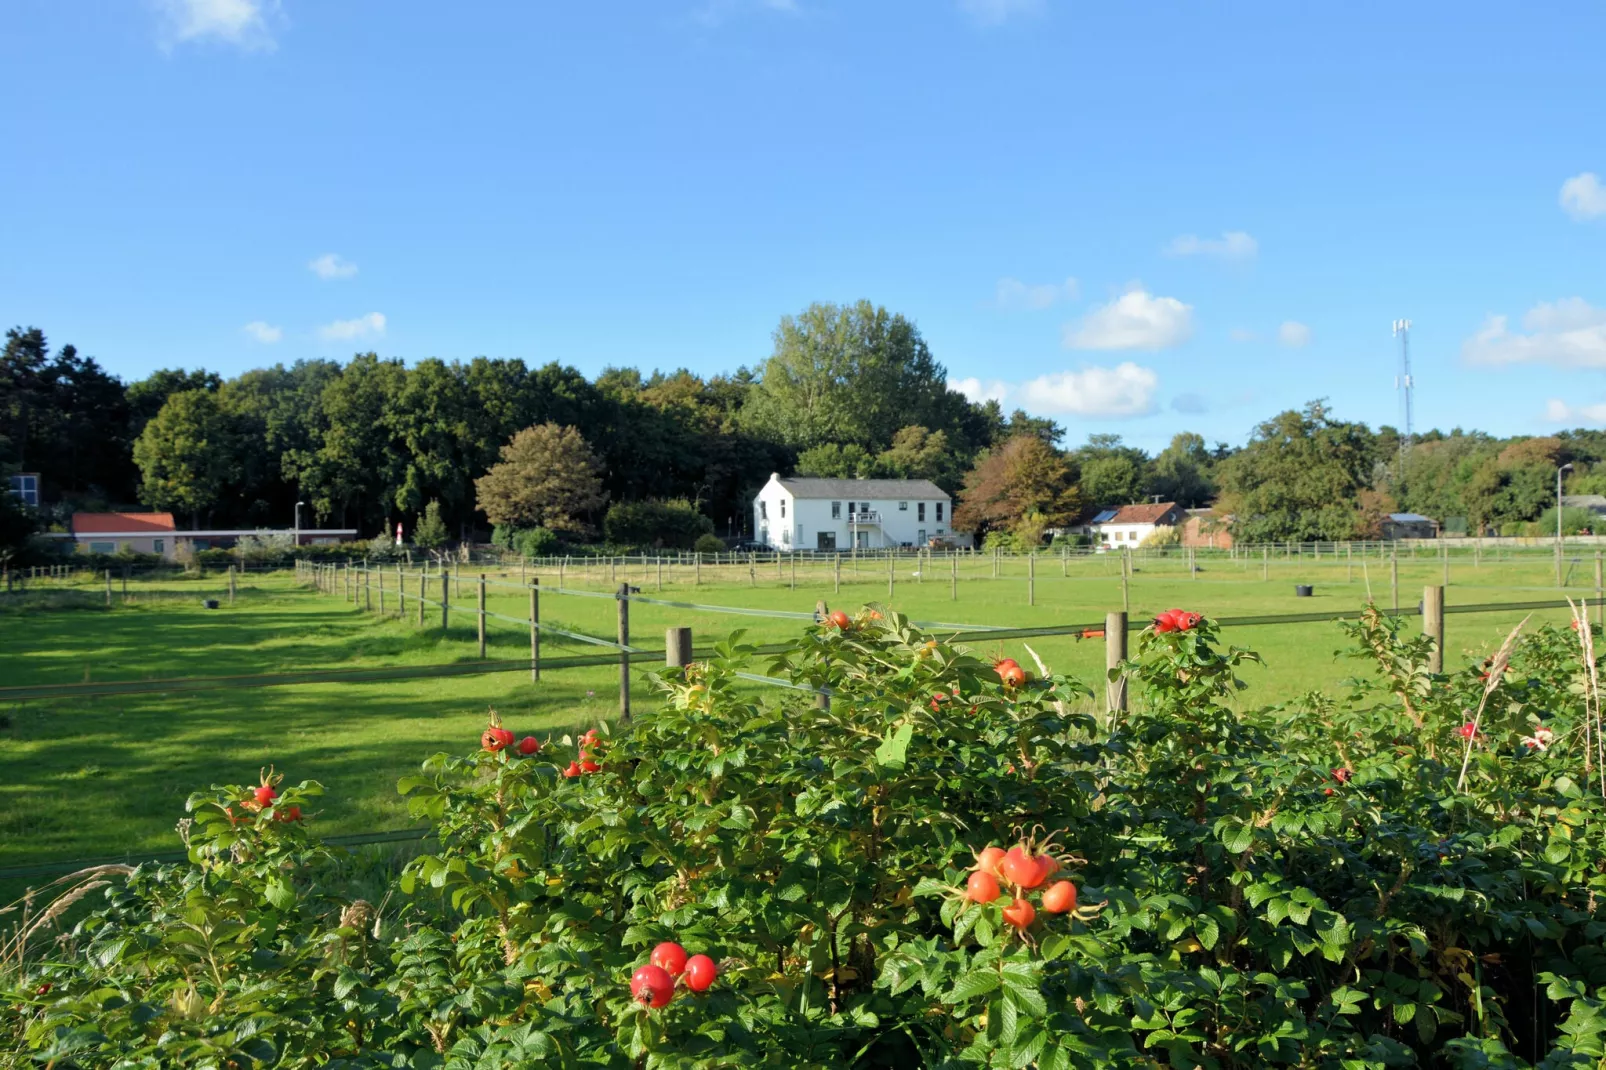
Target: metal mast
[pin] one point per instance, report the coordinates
(1403, 383)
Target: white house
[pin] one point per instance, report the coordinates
(1131, 524)
(836, 514)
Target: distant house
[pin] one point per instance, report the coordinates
(1595, 503)
(155, 533)
(1207, 531)
(1131, 524)
(1409, 526)
(836, 514)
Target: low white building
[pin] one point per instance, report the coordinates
(1131, 524)
(837, 514)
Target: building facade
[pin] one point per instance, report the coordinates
(155, 533)
(840, 514)
(1129, 525)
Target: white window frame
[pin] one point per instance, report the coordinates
(903, 507)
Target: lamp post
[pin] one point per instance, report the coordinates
(298, 522)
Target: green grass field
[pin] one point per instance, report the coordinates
(91, 776)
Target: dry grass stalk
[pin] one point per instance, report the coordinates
(1497, 669)
(1059, 703)
(1594, 761)
(76, 886)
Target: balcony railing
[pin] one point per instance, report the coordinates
(868, 517)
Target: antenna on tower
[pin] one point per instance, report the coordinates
(1404, 384)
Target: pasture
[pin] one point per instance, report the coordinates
(89, 776)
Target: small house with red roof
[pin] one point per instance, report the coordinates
(1129, 525)
(155, 533)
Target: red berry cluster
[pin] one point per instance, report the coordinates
(1010, 672)
(496, 738)
(1022, 869)
(262, 797)
(587, 762)
(1176, 620)
(653, 985)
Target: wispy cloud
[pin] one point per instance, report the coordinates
(1233, 245)
(1293, 334)
(1135, 320)
(1558, 411)
(997, 12)
(332, 266)
(1017, 295)
(263, 333)
(1242, 334)
(245, 24)
(1570, 333)
(361, 327)
(977, 390)
(1583, 196)
(1124, 390)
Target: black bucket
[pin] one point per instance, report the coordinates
(209, 603)
(1303, 590)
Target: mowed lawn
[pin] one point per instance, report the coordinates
(94, 776)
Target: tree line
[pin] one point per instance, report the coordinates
(847, 391)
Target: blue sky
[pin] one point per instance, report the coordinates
(1135, 218)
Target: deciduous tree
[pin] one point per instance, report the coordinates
(548, 477)
(1022, 486)
(188, 454)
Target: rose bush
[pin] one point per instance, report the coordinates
(1191, 884)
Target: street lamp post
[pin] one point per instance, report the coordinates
(298, 522)
(1559, 471)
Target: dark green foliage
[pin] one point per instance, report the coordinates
(660, 525)
(709, 544)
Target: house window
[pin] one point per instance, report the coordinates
(836, 510)
(939, 531)
(783, 508)
(764, 534)
(158, 546)
(786, 536)
(763, 510)
(920, 513)
(26, 487)
(903, 507)
(939, 510)
(825, 540)
(864, 507)
(103, 547)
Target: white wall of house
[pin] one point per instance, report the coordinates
(783, 521)
(1124, 534)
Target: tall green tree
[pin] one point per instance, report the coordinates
(1182, 471)
(64, 417)
(851, 374)
(1299, 477)
(1022, 486)
(147, 396)
(354, 474)
(188, 455)
(1113, 473)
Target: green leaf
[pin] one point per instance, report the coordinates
(973, 984)
(894, 750)
(280, 894)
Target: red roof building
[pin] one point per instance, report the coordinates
(121, 523)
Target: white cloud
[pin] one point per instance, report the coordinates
(1558, 411)
(1583, 196)
(1135, 320)
(332, 266)
(1293, 334)
(244, 23)
(1014, 294)
(1569, 333)
(1124, 390)
(262, 332)
(1233, 245)
(978, 391)
(373, 323)
(997, 12)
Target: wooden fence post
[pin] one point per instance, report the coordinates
(109, 587)
(1394, 579)
(535, 630)
(367, 587)
(1126, 597)
(1600, 593)
(1265, 563)
(1433, 625)
(401, 593)
(233, 575)
(446, 599)
(1031, 577)
(836, 573)
(677, 647)
(1114, 654)
(624, 655)
(482, 615)
(892, 565)
(423, 586)
(953, 576)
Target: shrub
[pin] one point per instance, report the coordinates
(431, 532)
(709, 544)
(660, 524)
(1313, 887)
(536, 542)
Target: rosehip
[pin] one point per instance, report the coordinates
(529, 745)
(652, 986)
(494, 739)
(700, 973)
(1020, 914)
(987, 861)
(1060, 898)
(671, 956)
(840, 620)
(589, 766)
(573, 770)
(1020, 867)
(1011, 674)
(982, 887)
(289, 813)
(265, 794)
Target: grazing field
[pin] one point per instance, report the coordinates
(91, 776)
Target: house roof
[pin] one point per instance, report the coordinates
(863, 489)
(1584, 501)
(121, 523)
(1141, 514)
(1410, 518)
